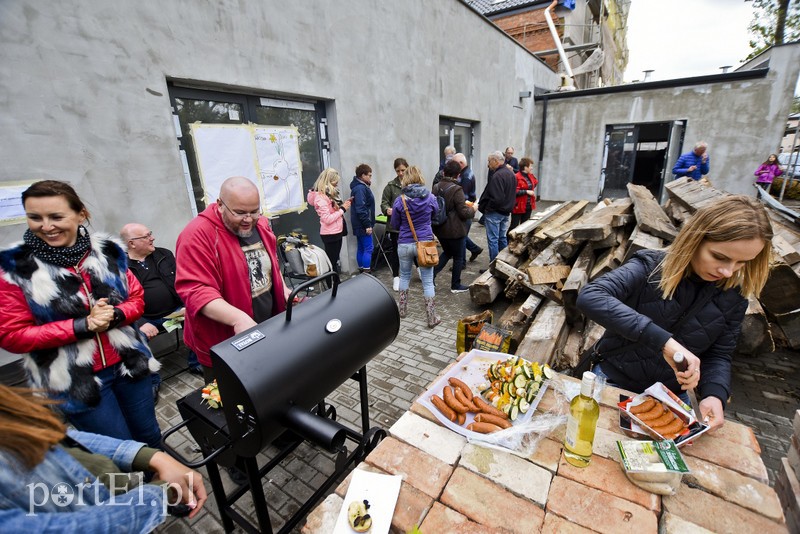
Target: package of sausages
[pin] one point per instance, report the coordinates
(659, 414)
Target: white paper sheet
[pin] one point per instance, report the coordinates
(380, 490)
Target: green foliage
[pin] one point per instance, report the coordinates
(792, 189)
(765, 21)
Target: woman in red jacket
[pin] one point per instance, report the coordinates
(68, 302)
(526, 194)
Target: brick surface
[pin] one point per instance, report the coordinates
(793, 454)
(727, 454)
(671, 524)
(518, 475)
(597, 510)
(323, 518)
(608, 476)
(715, 514)
(788, 488)
(443, 519)
(421, 470)
(469, 493)
(558, 525)
(547, 454)
(738, 433)
(436, 440)
(734, 487)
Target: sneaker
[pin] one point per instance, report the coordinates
(473, 255)
(459, 289)
(396, 283)
(237, 476)
(196, 370)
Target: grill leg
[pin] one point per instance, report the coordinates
(364, 395)
(257, 492)
(219, 495)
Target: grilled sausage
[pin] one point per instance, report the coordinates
(647, 405)
(493, 419)
(451, 400)
(483, 428)
(461, 419)
(487, 408)
(664, 420)
(437, 401)
(460, 397)
(671, 428)
(656, 412)
(465, 389)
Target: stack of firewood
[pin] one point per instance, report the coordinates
(554, 254)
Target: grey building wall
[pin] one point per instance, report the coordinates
(742, 121)
(84, 88)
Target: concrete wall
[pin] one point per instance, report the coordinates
(742, 121)
(84, 88)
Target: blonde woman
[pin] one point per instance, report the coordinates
(719, 259)
(327, 201)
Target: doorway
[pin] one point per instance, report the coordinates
(640, 154)
(458, 134)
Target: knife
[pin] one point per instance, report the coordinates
(682, 365)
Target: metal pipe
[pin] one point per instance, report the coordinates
(556, 38)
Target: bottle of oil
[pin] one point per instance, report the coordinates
(582, 422)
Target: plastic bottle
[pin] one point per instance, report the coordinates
(581, 425)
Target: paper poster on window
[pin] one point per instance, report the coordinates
(278, 155)
(267, 155)
(11, 209)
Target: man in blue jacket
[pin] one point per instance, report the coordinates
(693, 164)
(362, 215)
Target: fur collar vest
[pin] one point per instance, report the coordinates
(56, 293)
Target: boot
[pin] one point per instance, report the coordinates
(403, 303)
(430, 309)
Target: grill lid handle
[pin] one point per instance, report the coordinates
(333, 275)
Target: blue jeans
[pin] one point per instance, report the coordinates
(598, 370)
(126, 409)
(496, 229)
(364, 252)
(407, 253)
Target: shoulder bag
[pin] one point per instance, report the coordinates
(427, 254)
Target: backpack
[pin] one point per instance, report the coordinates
(441, 215)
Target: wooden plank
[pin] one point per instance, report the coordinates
(544, 334)
(692, 194)
(613, 239)
(623, 219)
(781, 294)
(755, 336)
(569, 354)
(790, 326)
(578, 277)
(567, 246)
(485, 289)
(572, 211)
(609, 260)
(591, 334)
(522, 235)
(548, 274)
(518, 317)
(521, 278)
(676, 212)
(783, 249)
(640, 240)
(649, 215)
(596, 225)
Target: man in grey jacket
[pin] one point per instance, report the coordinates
(496, 203)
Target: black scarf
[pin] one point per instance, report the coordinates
(61, 256)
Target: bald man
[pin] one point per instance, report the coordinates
(228, 273)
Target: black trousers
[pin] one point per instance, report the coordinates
(452, 248)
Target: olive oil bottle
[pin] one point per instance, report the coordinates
(582, 422)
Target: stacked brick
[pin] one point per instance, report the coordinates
(787, 485)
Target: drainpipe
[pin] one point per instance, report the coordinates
(541, 141)
(557, 40)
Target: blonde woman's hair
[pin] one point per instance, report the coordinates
(732, 218)
(328, 184)
(412, 176)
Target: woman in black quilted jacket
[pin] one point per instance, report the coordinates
(719, 259)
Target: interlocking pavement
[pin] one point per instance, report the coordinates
(765, 395)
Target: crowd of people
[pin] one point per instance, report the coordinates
(81, 306)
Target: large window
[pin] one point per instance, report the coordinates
(215, 107)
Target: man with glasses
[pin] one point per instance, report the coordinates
(228, 271)
(154, 267)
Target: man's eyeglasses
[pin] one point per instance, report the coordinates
(148, 235)
(242, 214)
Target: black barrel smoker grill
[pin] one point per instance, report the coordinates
(274, 378)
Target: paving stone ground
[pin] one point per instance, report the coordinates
(765, 396)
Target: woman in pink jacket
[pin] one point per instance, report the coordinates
(767, 172)
(327, 200)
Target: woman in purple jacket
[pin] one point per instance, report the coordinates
(767, 172)
(421, 207)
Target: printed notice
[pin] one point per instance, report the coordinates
(11, 209)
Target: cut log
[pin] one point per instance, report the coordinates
(783, 249)
(567, 246)
(507, 271)
(517, 318)
(548, 274)
(640, 240)
(790, 326)
(691, 194)
(755, 337)
(677, 213)
(596, 225)
(649, 215)
(613, 239)
(572, 210)
(544, 335)
(485, 289)
(781, 294)
(578, 277)
(610, 260)
(521, 236)
(570, 353)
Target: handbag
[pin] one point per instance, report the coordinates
(427, 253)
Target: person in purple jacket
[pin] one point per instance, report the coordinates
(767, 172)
(422, 206)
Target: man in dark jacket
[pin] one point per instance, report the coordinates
(362, 215)
(453, 231)
(511, 161)
(467, 181)
(496, 203)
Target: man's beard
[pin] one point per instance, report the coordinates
(237, 231)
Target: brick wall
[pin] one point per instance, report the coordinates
(531, 31)
(787, 485)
